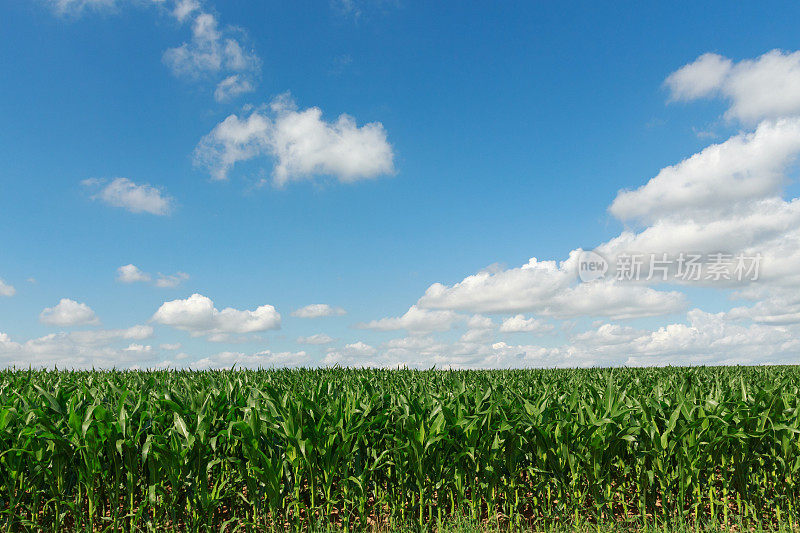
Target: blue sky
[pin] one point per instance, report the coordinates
(479, 136)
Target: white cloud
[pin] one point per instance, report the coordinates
(173, 346)
(184, 8)
(765, 87)
(232, 338)
(233, 140)
(104, 336)
(704, 338)
(122, 192)
(359, 349)
(139, 349)
(165, 281)
(699, 79)
(415, 351)
(263, 359)
(7, 289)
(212, 51)
(520, 324)
(549, 289)
(416, 321)
(77, 349)
(349, 355)
(606, 335)
(479, 322)
(131, 274)
(754, 223)
(713, 338)
(777, 309)
(68, 313)
(317, 338)
(198, 316)
(203, 54)
(302, 144)
(75, 7)
(477, 335)
(748, 172)
(746, 167)
(317, 311)
(231, 87)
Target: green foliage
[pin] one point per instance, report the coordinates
(273, 449)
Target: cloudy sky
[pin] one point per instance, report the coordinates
(189, 183)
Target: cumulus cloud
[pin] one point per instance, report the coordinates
(184, 8)
(124, 193)
(777, 309)
(415, 351)
(138, 349)
(699, 79)
(77, 349)
(701, 339)
(317, 311)
(416, 321)
(68, 313)
(132, 274)
(317, 338)
(477, 335)
(748, 166)
(350, 355)
(263, 359)
(198, 316)
(169, 281)
(206, 52)
(359, 348)
(766, 87)
(713, 338)
(520, 324)
(104, 336)
(302, 145)
(7, 289)
(606, 335)
(213, 51)
(753, 221)
(231, 87)
(480, 322)
(551, 289)
(428, 352)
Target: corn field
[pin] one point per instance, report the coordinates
(271, 449)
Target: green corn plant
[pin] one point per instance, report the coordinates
(352, 448)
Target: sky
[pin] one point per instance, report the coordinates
(200, 184)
